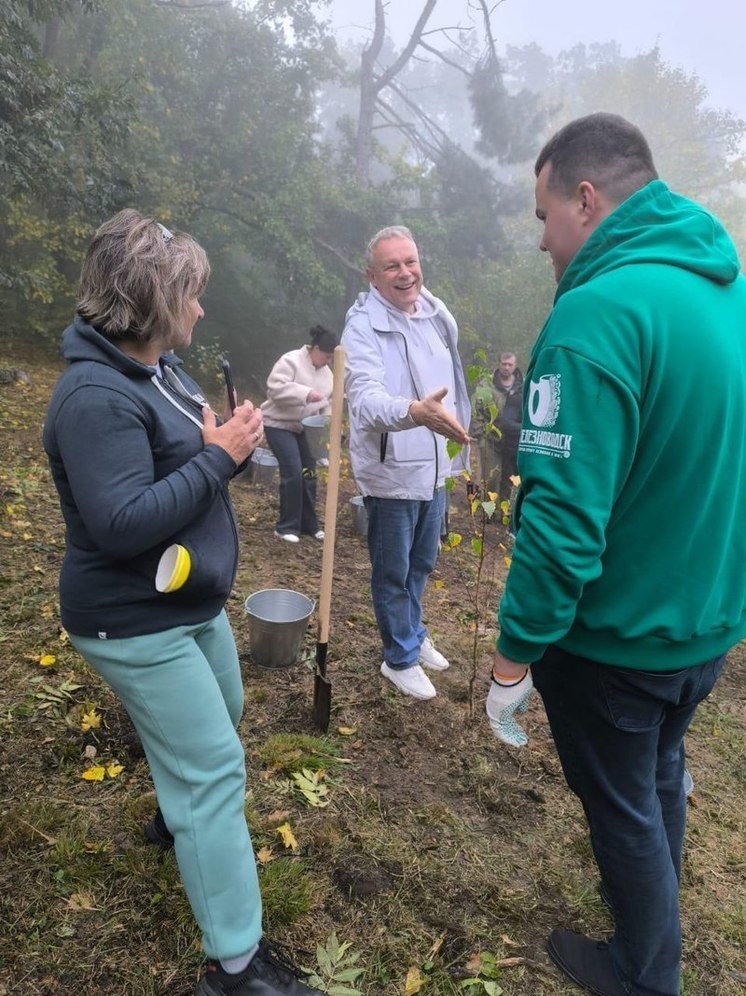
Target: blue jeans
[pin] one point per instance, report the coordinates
(182, 688)
(403, 538)
(619, 734)
(297, 481)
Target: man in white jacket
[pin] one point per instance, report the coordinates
(407, 395)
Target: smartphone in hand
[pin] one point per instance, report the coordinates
(229, 384)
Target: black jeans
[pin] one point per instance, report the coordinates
(297, 481)
(619, 734)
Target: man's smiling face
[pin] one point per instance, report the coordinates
(395, 272)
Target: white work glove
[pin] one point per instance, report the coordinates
(503, 701)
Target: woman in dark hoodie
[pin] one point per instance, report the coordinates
(142, 466)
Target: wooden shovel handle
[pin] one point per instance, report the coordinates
(332, 494)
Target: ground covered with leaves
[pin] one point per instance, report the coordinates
(406, 851)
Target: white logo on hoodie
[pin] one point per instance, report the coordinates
(544, 400)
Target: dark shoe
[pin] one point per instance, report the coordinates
(268, 974)
(587, 962)
(156, 832)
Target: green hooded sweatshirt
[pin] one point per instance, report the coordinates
(631, 515)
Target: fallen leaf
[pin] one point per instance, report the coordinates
(413, 983)
(47, 660)
(90, 752)
(90, 720)
(509, 942)
(288, 837)
(264, 855)
(80, 901)
(95, 773)
(474, 964)
(508, 561)
(438, 584)
(278, 815)
(113, 770)
(346, 731)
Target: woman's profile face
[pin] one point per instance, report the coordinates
(191, 314)
(320, 358)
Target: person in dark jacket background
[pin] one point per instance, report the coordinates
(498, 409)
(142, 465)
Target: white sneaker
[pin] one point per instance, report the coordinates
(412, 681)
(430, 657)
(288, 537)
(319, 534)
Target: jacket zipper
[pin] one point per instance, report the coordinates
(385, 436)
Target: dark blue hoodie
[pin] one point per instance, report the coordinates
(134, 476)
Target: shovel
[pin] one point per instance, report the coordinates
(322, 687)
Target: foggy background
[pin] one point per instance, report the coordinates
(283, 133)
(706, 38)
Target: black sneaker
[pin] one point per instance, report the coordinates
(587, 962)
(156, 832)
(267, 974)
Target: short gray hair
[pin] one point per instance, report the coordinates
(137, 278)
(390, 232)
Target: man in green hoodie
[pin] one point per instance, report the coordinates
(628, 578)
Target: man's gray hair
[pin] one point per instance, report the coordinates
(390, 232)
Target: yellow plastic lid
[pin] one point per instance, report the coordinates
(173, 568)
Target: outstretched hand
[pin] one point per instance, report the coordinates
(239, 436)
(430, 411)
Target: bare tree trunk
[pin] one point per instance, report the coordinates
(371, 83)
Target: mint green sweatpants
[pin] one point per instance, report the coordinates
(182, 689)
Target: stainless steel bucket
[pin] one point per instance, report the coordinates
(263, 466)
(359, 515)
(278, 620)
(316, 428)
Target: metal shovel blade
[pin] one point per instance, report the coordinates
(322, 691)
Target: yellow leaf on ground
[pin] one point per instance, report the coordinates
(508, 561)
(94, 774)
(414, 981)
(81, 901)
(288, 837)
(278, 815)
(112, 770)
(90, 720)
(346, 731)
(47, 660)
(264, 855)
(438, 583)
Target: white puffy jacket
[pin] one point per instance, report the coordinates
(391, 456)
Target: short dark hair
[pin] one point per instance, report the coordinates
(605, 149)
(325, 340)
(138, 277)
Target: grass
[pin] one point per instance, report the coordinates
(437, 844)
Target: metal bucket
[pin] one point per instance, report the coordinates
(316, 428)
(263, 466)
(278, 620)
(359, 515)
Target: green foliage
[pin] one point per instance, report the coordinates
(484, 983)
(288, 892)
(336, 968)
(288, 753)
